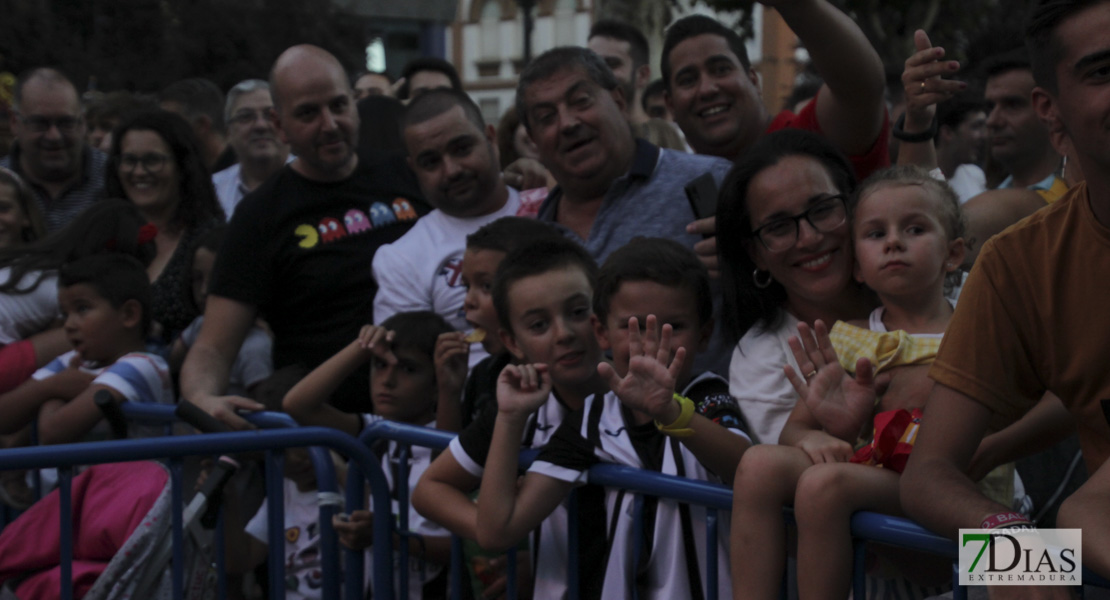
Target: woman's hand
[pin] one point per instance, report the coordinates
(923, 82)
(824, 448)
(843, 405)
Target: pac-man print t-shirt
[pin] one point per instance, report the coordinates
(301, 250)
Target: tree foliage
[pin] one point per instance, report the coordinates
(142, 45)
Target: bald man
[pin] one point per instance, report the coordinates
(299, 247)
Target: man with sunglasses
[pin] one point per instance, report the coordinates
(49, 150)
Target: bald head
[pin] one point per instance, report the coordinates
(315, 112)
(299, 62)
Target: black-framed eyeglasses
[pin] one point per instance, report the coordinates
(39, 124)
(247, 116)
(824, 216)
(152, 162)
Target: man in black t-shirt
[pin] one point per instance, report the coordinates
(299, 248)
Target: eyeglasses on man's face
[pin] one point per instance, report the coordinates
(246, 117)
(824, 216)
(40, 124)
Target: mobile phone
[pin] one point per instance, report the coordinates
(701, 192)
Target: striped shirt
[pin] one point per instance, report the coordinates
(74, 200)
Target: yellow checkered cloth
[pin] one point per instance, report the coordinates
(885, 350)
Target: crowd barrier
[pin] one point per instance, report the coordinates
(280, 432)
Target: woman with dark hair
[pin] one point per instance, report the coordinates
(786, 256)
(155, 164)
(21, 220)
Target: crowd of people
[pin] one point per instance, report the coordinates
(659, 274)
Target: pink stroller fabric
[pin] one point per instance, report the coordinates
(109, 502)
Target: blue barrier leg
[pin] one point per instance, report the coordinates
(327, 493)
(275, 521)
(711, 574)
(859, 564)
(637, 537)
(456, 567)
(959, 592)
(353, 560)
(401, 484)
(178, 563)
(65, 514)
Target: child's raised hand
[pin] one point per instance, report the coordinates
(451, 360)
(379, 341)
(841, 404)
(356, 531)
(522, 389)
(650, 383)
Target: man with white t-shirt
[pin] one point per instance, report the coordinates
(455, 158)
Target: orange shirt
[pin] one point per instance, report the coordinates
(1033, 317)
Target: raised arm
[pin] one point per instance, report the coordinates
(308, 403)
(451, 353)
(850, 104)
(205, 373)
(936, 490)
(924, 88)
(506, 514)
(649, 388)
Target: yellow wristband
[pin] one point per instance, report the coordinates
(681, 425)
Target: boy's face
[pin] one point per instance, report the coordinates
(478, 268)
(299, 469)
(97, 330)
(553, 323)
(405, 391)
(674, 305)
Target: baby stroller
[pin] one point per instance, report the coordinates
(122, 535)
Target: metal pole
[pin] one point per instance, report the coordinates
(526, 6)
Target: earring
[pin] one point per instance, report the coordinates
(761, 284)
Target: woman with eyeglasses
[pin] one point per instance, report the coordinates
(786, 257)
(156, 165)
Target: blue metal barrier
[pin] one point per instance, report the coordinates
(866, 527)
(174, 448)
(364, 466)
(160, 414)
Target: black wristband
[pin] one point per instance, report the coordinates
(923, 136)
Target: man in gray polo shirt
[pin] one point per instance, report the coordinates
(50, 151)
(611, 186)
